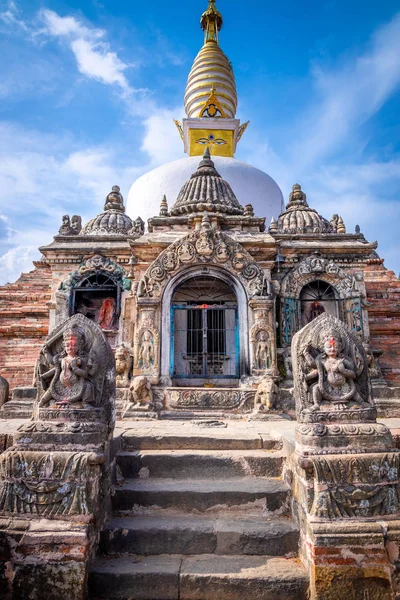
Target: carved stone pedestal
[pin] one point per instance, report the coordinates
(345, 468)
(54, 480)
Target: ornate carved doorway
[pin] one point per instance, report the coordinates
(204, 330)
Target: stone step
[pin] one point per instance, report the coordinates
(182, 534)
(201, 494)
(201, 463)
(206, 577)
(195, 438)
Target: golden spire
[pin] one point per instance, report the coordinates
(211, 22)
(210, 96)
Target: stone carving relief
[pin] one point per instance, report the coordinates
(146, 343)
(267, 395)
(317, 267)
(354, 465)
(206, 245)
(208, 399)
(74, 368)
(90, 266)
(138, 227)
(47, 484)
(374, 368)
(54, 467)
(71, 226)
(123, 365)
(262, 339)
(359, 486)
(65, 373)
(330, 369)
(262, 353)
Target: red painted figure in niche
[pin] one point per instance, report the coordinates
(316, 310)
(107, 314)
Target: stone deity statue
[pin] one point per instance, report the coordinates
(335, 373)
(263, 354)
(123, 365)
(146, 353)
(140, 393)
(67, 382)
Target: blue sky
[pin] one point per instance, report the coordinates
(88, 90)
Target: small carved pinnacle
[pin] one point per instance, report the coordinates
(164, 207)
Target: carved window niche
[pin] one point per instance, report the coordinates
(204, 330)
(98, 297)
(95, 290)
(318, 286)
(316, 298)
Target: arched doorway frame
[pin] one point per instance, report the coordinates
(242, 302)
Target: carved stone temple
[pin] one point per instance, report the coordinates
(200, 389)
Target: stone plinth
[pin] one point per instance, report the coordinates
(54, 478)
(345, 467)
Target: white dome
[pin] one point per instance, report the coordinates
(250, 186)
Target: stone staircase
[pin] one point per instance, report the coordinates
(199, 518)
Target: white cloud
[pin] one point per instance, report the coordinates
(161, 140)
(93, 55)
(16, 261)
(94, 60)
(349, 96)
(11, 16)
(68, 26)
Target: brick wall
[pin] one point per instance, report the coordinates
(24, 324)
(383, 295)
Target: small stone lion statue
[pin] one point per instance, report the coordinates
(123, 365)
(140, 393)
(267, 395)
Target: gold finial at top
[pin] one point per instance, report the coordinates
(211, 22)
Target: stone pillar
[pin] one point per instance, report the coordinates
(146, 348)
(262, 334)
(54, 480)
(345, 468)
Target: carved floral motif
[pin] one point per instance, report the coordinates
(208, 399)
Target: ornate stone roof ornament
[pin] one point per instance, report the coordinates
(71, 226)
(164, 207)
(273, 228)
(206, 191)
(115, 200)
(299, 217)
(113, 221)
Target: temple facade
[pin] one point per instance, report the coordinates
(202, 288)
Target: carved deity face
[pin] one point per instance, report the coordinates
(263, 336)
(332, 347)
(71, 344)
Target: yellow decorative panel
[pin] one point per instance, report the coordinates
(219, 141)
